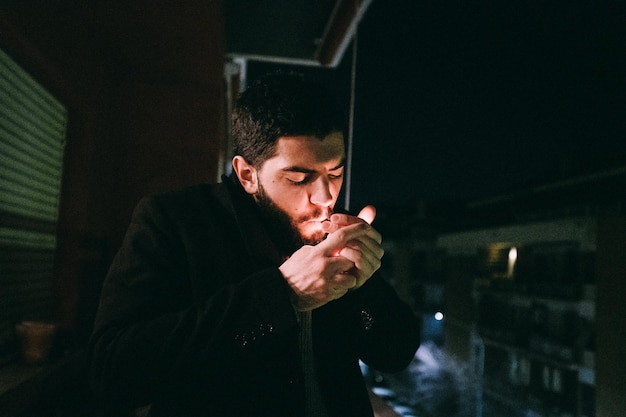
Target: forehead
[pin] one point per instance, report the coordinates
(307, 151)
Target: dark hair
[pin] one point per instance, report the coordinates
(281, 104)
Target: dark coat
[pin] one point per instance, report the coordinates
(195, 318)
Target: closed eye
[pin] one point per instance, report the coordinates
(336, 174)
(299, 180)
(302, 176)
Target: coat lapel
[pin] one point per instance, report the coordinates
(260, 248)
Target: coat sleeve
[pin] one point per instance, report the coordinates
(383, 330)
(157, 333)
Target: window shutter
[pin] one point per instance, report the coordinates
(32, 138)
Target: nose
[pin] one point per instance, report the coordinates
(321, 195)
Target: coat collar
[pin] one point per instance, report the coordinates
(258, 244)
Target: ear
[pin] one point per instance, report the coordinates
(247, 174)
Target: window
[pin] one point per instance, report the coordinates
(32, 137)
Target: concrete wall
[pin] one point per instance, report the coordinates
(611, 318)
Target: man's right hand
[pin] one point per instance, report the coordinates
(317, 274)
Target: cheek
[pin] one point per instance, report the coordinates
(299, 202)
(291, 200)
(335, 188)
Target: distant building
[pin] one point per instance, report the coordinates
(527, 285)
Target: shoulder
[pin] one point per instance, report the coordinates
(198, 192)
(201, 202)
(196, 196)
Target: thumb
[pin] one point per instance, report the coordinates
(367, 213)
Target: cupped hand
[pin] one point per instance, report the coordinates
(322, 273)
(366, 250)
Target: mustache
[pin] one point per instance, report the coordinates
(317, 213)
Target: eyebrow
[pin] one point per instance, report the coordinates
(303, 170)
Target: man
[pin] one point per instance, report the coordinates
(252, 297)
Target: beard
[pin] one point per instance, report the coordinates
(282, 229)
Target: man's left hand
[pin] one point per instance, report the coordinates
(365, 252)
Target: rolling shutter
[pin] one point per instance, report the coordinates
(32, 138)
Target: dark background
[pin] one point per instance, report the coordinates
(461, 101)
(456, 100)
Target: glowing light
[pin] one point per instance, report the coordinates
(439, 316)
(513, 254)
(512, 259)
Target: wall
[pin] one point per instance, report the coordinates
(144, 84)
(611, 318)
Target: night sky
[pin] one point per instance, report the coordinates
(460, 100)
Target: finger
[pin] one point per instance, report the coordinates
(341, 237)
(372, 237)
(336, 224)
(337, 293)
(338, 265)
(341, 283)
(364, 260)
(345, 280)
(330, 227)
(338, 220)
(375, 236)
(365, 245)
(341, 219)
(368, 213)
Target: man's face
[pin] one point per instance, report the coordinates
(302, 180)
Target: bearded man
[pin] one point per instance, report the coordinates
(253, 296)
